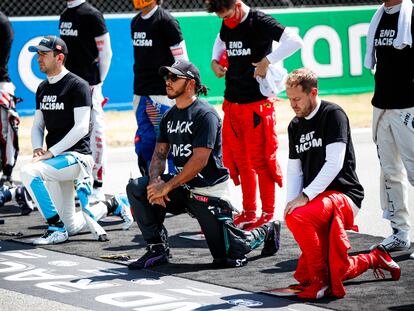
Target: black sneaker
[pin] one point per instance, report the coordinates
(23, 200)
(155, 256)
(272, 240)
(230, 262)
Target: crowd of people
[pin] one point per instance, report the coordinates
(188, 156)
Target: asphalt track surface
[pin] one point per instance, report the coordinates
(74, 281)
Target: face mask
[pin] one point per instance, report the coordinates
(234, 20)
(140, 4)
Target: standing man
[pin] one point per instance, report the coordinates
(9, 118)
(63, 108)
(83, 29)
(323, 193)
(191, 129)
(157, 41)
(389, 47)
(249, 134)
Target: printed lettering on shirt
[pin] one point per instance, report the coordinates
(386, 37)
(49, 102)
(140, 39)
(66, 29)
(236, 48)
(179, 127)
(181, 150)
(308, 141)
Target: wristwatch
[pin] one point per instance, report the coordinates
(305, 195)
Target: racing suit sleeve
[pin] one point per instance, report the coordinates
(179, 51)
(103, 43)
(289, 43)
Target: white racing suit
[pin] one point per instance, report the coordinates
(393, 133)
(98, 142)
(51, 183)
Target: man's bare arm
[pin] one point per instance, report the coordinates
(195, 164)
(158, 161)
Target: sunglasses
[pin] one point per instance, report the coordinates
(173, 77)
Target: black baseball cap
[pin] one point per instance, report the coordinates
(50, 43)
(182, 68)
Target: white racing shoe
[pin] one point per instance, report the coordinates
(123, 209)
(396, 242)
(96, 195)
(53, 235)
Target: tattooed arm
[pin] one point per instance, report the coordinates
(158, 161)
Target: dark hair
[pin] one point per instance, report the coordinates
(56, 53)
(303, 77)
(201, 90)
(215, 6)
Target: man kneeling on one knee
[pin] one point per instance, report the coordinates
(323, 193)
(192, 130)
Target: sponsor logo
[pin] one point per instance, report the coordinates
(200, 198)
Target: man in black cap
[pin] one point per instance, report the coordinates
(63, 108)
(191, 129)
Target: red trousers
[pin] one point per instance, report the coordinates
(249, 151)
(319, 229)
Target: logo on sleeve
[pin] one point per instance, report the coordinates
(236, 49)
(67, 30)
(49, 102)
(140, 39)
(308, 141)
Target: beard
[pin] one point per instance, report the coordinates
(174, 94)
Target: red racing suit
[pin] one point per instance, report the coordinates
(319, 229)
(249, 151)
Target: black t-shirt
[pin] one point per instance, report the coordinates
(248, 43)
(394, 76)
(79, 26)
(6, 38)
(57, 102)
(308, 140)
(196, 126)
(152, 39)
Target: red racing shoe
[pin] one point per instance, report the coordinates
(264, 219)
(381, 259)
(245, 219)
(316, 290)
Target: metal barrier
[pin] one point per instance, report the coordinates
(55, 7)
